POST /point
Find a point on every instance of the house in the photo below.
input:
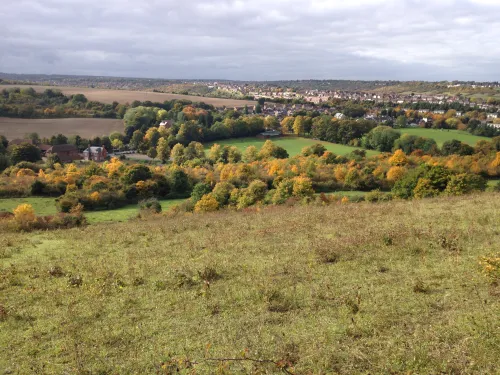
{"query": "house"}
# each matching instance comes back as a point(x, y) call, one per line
point(19, 141)
point(269, 134)
point(167, 124)
point(339, 116)
point(44, 148)
point(95, 153)
point(492, 116)
point(66, 153)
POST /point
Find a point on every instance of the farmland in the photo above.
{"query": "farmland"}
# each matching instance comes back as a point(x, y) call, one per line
point(386, 288)
point(128, 96)
point(293, 145)
point(85, 127)
point(441, 136)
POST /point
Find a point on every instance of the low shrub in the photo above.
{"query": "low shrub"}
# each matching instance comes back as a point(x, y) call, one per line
point(151, 205)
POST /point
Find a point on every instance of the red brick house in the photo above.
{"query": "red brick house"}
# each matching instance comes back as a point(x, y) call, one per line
point(66, 153)
point(95, 153)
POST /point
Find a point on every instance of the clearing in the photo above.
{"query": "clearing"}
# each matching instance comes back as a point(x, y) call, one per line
point(387, 288)
point(441, 136)
point(292, 144)
point(128, 96)
point(47, 206)
point(13, 128)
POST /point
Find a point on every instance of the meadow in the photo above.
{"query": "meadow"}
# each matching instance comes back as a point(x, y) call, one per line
point(13, 128)
point(441, 136)
point(293, 145)
point(47, 206)
point(128, 96)
point(387, 288)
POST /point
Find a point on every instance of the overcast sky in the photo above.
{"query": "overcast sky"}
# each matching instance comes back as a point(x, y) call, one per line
point(254, 39)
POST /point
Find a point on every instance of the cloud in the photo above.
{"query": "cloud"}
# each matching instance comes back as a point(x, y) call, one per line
point(253, 40)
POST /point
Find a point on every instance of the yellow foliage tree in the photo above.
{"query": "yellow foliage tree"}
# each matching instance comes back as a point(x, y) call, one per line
point(399, 158)
point(95, 196)
point(207, 203)
point(24, 213)
point(395, 173)
point(302, 187)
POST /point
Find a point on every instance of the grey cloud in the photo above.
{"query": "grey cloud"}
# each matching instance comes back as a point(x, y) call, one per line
point(259, 39)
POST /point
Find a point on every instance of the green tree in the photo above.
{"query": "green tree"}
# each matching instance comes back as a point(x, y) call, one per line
point(381, 138)
point(136, 173)
point(177, 154)
point(199, 190)
point(163, 150)
point(25, 152)
point(401, 122)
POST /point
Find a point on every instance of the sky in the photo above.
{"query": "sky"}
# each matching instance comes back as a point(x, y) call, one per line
point(430, 40)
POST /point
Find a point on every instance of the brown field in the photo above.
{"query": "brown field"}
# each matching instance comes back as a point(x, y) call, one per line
point(124, 96)
point(85, 127)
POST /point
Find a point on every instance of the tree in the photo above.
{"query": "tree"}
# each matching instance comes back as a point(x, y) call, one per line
point(4, 162)
point(136, 173)
point(258, 108)
point(465, 183)
point(25, 152)
point(163, 150)
point(179, 182)
point(317, 149)
point(398, 158)
point(34, 137)
point(287, 124)
point(381, 138)
point(207, 203)
point(177, 154)
point(136, 139)
point(401, 122)
point(454, 146)
point(298, 125)
point(271, 150)
point(199, 190)
point(250, 154)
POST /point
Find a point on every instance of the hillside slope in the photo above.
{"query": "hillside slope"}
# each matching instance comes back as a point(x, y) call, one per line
point(359, 288)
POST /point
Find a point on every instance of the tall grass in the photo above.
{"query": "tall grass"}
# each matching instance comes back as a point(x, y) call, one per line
point(386, 288)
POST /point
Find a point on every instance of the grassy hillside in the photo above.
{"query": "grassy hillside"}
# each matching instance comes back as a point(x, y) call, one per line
point(293, 145)
point(441, 136)
point(357, 288)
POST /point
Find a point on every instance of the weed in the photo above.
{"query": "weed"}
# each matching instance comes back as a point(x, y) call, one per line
point(420, 287)
point(56, 271)
point(75, 281)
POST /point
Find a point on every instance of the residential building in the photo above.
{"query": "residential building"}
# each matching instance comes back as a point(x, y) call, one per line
point(95, 153)
point(66, 153)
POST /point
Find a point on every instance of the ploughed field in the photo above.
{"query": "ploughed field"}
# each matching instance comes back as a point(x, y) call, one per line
point(293, 145)
point(85, 127)
point(124, 96)
point(388, 288)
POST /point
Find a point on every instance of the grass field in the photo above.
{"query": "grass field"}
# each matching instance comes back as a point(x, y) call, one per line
point(441, 136)
point(47, 206)
point(389, 288)
point(13, 128)
point(293, 145)
point(126, 96)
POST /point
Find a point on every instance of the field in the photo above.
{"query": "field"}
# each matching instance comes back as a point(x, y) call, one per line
point(85, 127)
point(293, 145)
point(389, 288)
point(47, 206)
point(126, 96)
point(441, 136)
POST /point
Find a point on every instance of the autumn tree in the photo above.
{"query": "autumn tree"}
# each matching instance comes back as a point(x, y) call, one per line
point(163, 150)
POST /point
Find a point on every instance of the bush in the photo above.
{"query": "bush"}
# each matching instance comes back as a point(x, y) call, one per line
point(136, 173)
point(207, 203)
point(151, 205)
point(377, 196)
point(25, 152)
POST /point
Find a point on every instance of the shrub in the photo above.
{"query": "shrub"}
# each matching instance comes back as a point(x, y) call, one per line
point(25, 152)
point(207, 203)
point(464, 184)
point(199, 190)
point(151, 205)
point(377, 196)
point(136, 173)
point(24, 214)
